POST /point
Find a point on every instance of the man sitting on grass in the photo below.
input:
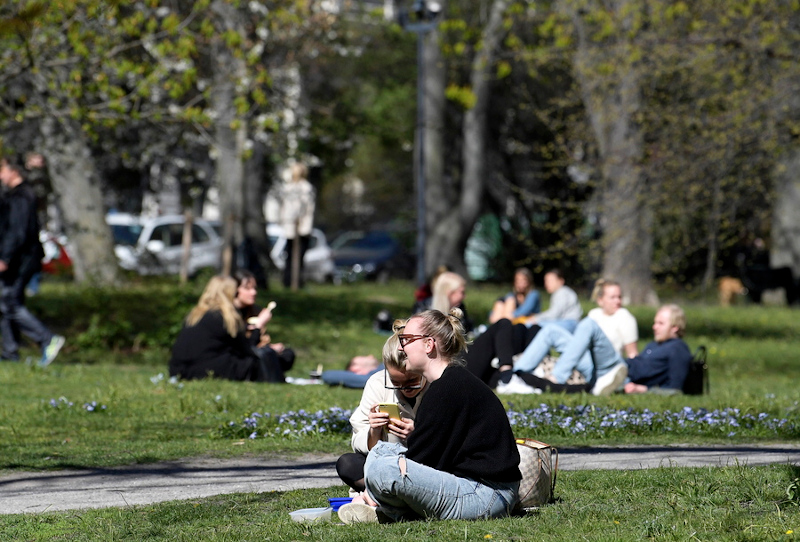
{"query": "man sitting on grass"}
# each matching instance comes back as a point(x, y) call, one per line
point(664, 363)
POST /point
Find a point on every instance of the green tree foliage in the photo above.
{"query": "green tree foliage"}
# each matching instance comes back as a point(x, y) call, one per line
point(135, 80)
point(361, 101)
point(715, 112)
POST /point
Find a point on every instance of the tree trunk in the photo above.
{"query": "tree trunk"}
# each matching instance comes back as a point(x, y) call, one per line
point(785, 245)
point(451, 231)
point(230, 135)
point(255, 226)
point(612, 102)
point(186, 245)
point(713, 235)
point(439, 201)
point(75, 183)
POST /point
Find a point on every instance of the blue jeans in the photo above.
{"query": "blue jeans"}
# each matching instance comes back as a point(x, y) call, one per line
point(588, 350)
point(348, 379)
point(429, 493)
point(569, 325)
point(16, 317)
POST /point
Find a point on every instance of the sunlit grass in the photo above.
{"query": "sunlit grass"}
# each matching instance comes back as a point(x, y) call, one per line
point(142, 417)
point(107, 401)
point(732, 503)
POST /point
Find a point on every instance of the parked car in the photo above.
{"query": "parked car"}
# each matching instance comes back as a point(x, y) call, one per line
point(154, 245)
point(56, 260)
point(373, 255)
point(318, 260)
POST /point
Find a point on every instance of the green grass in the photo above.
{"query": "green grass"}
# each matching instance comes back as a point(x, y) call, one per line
point(118, 342)
point(734, 503)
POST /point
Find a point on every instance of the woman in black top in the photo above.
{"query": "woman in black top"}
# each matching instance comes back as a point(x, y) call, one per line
point(461, 461)
point(277, 357)
point(213, 341)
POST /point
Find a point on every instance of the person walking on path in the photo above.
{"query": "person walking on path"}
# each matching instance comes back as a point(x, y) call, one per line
point(20, 258)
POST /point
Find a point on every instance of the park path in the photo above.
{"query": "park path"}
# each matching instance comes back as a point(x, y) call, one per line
point(32, 492)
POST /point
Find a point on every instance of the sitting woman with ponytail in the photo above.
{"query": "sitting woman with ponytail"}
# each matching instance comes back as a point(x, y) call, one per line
point(461, 461)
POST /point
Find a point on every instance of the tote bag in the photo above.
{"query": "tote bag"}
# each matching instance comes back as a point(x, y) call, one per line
point(538, 463)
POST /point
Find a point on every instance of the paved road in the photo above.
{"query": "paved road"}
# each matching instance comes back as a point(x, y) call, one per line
point(193, 479)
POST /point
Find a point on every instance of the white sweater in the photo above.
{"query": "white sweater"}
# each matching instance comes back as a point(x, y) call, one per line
point(376, 392)
point(620, 328)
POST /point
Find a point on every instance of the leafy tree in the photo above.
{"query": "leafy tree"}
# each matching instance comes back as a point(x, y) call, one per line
point(682, 101)
point(163, 70)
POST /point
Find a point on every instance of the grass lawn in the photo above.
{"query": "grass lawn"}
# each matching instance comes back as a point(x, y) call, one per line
point(106, 402)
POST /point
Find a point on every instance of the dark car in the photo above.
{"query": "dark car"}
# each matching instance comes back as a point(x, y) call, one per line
point(373, 255)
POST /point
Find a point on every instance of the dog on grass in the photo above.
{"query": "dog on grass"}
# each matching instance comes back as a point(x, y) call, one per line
point(729, 288)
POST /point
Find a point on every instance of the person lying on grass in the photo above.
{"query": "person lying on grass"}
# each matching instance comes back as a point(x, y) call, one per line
point(394, 384)
point(461, 461)
point(357, 373)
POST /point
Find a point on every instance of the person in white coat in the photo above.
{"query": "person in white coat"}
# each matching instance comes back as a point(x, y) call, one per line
point(298, 201)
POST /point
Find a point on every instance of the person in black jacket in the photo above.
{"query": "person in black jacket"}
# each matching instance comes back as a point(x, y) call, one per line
point(20, 258)
point(277, 357)
point(214, 342)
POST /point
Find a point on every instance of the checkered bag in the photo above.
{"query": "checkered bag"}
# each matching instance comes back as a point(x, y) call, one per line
point(539, 469)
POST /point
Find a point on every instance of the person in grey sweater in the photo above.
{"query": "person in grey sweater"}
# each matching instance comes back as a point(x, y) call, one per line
point(565, 309)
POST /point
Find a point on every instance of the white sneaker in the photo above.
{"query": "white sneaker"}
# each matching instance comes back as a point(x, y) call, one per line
point(611, 381)
point(516, 385)
point(356, 512)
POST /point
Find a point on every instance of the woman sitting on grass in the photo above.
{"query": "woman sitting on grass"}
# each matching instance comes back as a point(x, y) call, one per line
point(278, 358)
point(521, 302)
point(449, 291)
point(461, 461)
point(213, 341)
point(394, 384)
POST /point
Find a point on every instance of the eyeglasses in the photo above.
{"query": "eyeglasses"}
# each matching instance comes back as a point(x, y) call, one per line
point(412, 383)
point(405, 340)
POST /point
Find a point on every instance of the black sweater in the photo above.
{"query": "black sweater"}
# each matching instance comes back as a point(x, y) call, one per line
point(462, 428)
point(19, 229)
point(207, 348)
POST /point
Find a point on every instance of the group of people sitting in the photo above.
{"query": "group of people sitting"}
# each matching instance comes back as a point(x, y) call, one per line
point(597, 354)
point(225, 336)
point(452, 455)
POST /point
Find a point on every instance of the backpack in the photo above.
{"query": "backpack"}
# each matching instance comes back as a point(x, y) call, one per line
point(696, 382)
